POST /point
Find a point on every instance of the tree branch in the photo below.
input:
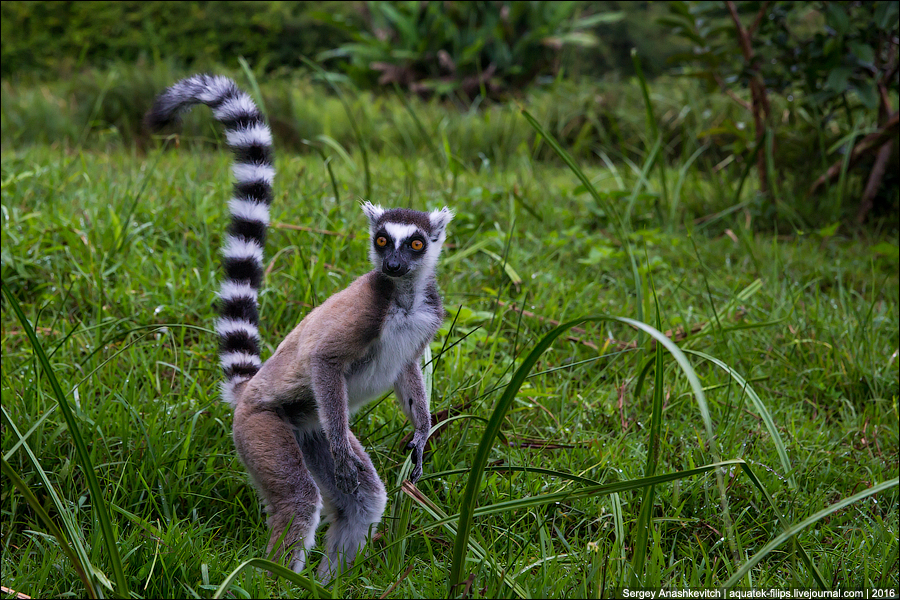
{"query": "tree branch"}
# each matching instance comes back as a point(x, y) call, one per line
point(758, 92)
point(867, 145)
point(730, 93)
point(876, 176)
point(759, 18)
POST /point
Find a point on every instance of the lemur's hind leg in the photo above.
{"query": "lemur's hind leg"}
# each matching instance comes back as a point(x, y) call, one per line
point(354, 516)
point(269, 451)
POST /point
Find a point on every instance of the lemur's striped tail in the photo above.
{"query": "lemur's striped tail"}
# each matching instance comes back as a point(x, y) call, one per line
point(249, 137)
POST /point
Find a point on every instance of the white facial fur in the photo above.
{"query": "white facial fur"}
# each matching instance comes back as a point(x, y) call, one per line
point(400, 232)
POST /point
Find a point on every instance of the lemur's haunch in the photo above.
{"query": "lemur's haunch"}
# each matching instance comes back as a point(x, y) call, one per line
point(291, 413)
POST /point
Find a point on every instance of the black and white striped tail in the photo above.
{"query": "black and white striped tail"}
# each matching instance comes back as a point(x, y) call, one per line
point(250, 138)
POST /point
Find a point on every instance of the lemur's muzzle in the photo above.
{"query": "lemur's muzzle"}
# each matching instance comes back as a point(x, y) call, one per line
point(394, 266)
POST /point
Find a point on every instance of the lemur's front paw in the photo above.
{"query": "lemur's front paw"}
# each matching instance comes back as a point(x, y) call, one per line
point(417, 445)
point(346, 473)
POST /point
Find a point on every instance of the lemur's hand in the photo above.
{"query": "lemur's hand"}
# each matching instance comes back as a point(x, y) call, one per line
point(417, 445)
point(346, 472)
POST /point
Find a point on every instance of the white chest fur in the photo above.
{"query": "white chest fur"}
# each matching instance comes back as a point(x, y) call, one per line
point(404, 334)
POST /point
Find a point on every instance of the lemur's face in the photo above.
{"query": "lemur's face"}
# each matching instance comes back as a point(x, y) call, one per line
point(404, 240)
point(400, 246)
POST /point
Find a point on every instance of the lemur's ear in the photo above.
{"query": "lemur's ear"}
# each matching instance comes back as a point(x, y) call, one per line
point(439, 219)
point(373, 212)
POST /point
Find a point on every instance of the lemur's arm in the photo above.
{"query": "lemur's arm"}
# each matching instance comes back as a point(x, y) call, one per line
point(410, 392)
point(330, 390)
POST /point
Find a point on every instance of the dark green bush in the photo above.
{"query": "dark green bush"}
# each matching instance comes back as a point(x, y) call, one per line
point(835, 66)
point(464, 48)
point(55, 37)
point(50, 39)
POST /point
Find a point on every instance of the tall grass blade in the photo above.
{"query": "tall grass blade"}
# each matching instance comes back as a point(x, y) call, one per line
point(483, 555)
point(514, 276)
point(98, 103)
point(651, 122)
point(795, 529)
point(23, 438)
point(643, 526)
point(682, 175)
point(186, 446)
point(42, 515)
point(785, 525)
point(326, 160)
point(645, 93)
point(589, 491)
point(601, 202)
point(313, 587)
point(513, 469)
point(751, 161)
point(467, 504)
point(65, 514)
point(81, 451)
point(360, 140)
point(592, 491)
point(426, 137)
point(642, 179)
point(764, 413)
point(254, 85)
point(619, 523)
point(129, 212)
point(336, 146)
point(770, 164)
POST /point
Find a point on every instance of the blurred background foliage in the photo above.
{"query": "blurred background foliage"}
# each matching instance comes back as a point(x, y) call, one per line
point(800, 95)
point(49, 39)
point(52, 39)
point(835, 63)
point(465, 48)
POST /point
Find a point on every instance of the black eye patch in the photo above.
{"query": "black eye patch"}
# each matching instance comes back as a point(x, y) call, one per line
point(382, 240)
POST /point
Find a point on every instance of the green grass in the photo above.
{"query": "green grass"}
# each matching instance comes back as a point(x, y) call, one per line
point(598, 121)
point(789, 375)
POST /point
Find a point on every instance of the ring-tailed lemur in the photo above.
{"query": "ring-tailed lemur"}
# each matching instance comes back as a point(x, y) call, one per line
point(291, 413)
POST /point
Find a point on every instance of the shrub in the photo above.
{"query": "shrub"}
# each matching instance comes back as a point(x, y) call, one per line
point(55, 37)
point(463, 48)
point(836, 65)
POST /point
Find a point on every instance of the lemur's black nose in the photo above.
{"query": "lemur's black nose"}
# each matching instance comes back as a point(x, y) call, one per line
point(394, 267)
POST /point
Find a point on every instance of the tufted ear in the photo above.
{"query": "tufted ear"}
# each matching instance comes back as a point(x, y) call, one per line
point(373, 212)
point(439, 219)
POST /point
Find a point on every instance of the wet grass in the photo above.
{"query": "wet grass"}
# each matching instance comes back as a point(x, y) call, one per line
point(593, 444)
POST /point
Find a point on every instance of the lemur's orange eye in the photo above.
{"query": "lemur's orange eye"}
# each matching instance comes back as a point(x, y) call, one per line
point(416, 245)
point(381, 241)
